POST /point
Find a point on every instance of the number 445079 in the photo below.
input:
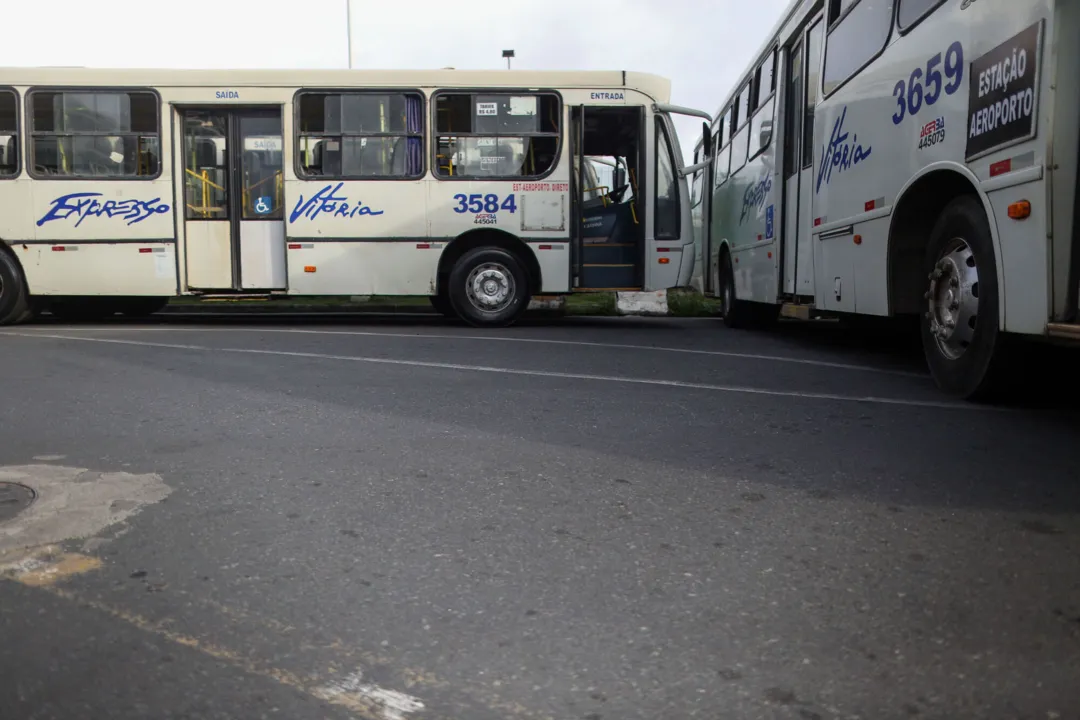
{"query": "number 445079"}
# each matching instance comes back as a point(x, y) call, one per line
point(484, 203)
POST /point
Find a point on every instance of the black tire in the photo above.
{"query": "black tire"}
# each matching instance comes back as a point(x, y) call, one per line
point(14, 297)
point(141, 306)
point(441, 304)
point(505, 270)
point(966, 359)
point(741, 313)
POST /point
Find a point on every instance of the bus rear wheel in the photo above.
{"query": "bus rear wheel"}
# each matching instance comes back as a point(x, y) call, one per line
point(14, 299)
point(740, 313)
point(960, 330)
point(489, 287)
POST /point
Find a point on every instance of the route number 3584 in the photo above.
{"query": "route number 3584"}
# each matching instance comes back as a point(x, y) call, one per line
point(489, 203)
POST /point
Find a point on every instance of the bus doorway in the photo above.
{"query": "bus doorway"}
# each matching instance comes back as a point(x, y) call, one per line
point(234, 215)
point(609, 238)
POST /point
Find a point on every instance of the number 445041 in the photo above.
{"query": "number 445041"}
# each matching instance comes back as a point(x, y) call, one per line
point(484, 203)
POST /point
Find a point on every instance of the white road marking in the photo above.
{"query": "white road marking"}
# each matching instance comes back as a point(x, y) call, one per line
point(392, 705)
point(541, 341)
point(746, 390)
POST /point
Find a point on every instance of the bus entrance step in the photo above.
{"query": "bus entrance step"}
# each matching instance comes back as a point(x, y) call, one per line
point(798, 312)
point(1067, 331)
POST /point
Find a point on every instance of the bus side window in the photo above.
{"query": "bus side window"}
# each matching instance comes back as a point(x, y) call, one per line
point(858, 31)
point(764, 99)
point(9, 133)
point(912, 11)
point(740, 142)
point(666, 218)
point(92, 133)
point(496, 135)
point(813, 81)
point(723, 150)
point(793, 110)
point(360, 135)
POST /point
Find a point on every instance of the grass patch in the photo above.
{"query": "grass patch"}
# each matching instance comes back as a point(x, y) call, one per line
point(600, 303)
point(690, 303)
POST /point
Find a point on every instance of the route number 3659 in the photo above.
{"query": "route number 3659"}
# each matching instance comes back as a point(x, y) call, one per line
point(910, 95)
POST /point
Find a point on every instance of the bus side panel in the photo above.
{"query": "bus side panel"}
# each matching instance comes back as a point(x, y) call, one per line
point(1061, 43)
point(101, 268)
point(16, 221)
point(553, 259)
point(406, 267)
point(907, 109)
point(117, 238)
point(752, 203)
point(1024, 256)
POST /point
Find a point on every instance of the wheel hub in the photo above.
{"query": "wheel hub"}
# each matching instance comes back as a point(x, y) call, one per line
point(490, 287)
point(953, 299)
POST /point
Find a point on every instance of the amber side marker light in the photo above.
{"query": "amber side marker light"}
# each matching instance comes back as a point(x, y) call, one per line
point(1019, 210)
point(309, 268)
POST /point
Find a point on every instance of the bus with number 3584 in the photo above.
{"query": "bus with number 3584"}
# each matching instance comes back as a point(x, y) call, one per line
point(909, 159)
point(120, 189)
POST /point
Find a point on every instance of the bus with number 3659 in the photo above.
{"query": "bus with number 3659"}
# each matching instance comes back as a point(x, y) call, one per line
point(120, 189)
point(902, 159)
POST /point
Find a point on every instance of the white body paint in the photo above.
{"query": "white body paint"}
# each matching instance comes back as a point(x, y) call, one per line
point(922, 103)
point(394, 249)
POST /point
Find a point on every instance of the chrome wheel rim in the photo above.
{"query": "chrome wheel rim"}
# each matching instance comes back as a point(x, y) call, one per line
point(953, 299)
point(490, 287)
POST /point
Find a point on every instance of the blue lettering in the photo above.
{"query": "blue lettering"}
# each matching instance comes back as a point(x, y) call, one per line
point(227, 95)
point(86, 205)
point(754, 197)
point(327, 200)
point(839, 153)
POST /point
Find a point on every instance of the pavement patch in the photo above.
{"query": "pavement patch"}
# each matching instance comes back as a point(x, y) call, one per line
point(70, 503)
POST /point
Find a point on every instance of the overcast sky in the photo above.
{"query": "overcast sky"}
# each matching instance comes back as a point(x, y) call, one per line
point(701, 45)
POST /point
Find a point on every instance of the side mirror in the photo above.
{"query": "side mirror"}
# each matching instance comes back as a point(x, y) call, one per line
point(706, 135)
point(618, 178)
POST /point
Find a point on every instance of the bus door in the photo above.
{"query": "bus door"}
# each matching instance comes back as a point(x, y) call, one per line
point(234, 220)
point(609, 237)
point(803, 81)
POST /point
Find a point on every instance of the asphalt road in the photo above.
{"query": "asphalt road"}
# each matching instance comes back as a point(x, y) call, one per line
point(596, 519)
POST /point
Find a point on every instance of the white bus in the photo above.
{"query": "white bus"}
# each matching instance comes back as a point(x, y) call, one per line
point(122, 188)
point(903, 158)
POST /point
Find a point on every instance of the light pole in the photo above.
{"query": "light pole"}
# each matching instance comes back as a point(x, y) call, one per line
point(508, 54)
point(348, 28)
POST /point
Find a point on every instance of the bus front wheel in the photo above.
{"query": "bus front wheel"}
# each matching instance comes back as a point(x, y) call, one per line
point(960, 330)
point(489, 287)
